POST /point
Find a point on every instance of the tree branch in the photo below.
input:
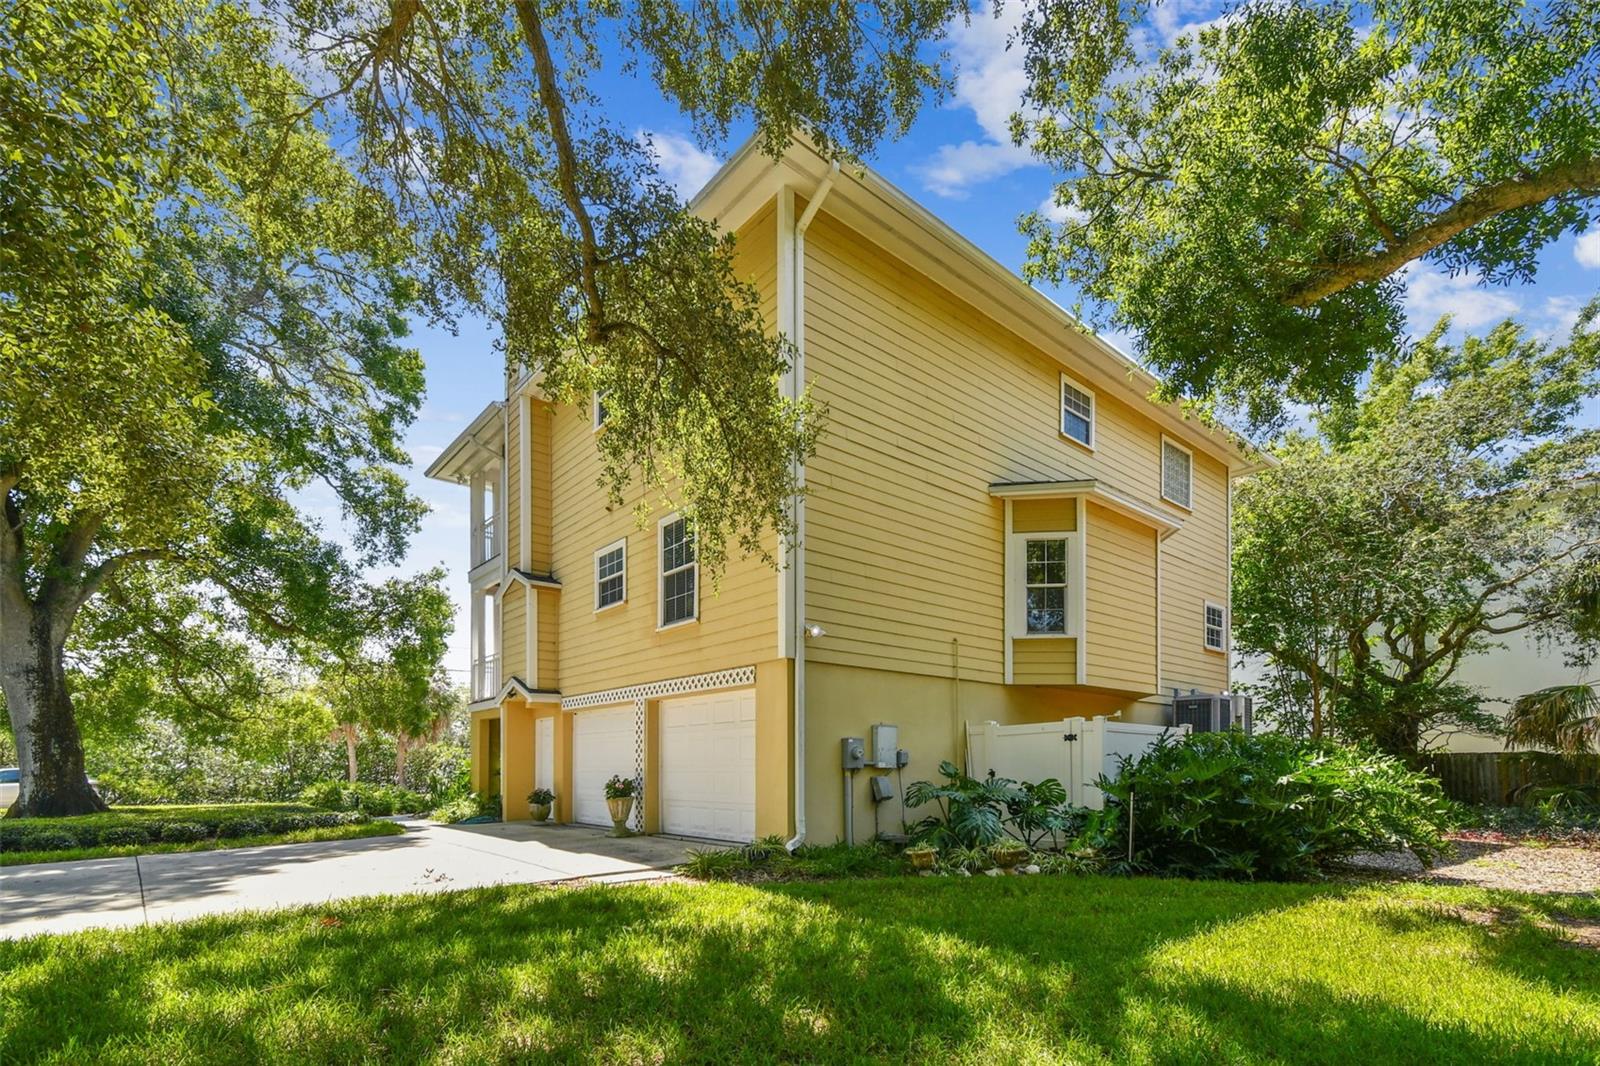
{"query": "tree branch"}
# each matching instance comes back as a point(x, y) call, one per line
point(566, 158)
point(1476, 206)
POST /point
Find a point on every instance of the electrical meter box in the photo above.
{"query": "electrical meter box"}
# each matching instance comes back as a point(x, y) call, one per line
point(885, 742)
point(854, 752)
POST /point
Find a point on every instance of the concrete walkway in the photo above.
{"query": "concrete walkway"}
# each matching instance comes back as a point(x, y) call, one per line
point(96, 893)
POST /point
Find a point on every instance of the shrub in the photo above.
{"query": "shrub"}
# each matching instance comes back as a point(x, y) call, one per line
point(364, 797)
point(541, 797)
point(472, 805)
point(235, 828)
point(972, 813)
point(47, 840)
point(620, 787)
point(1268, 806)
point(124, 835)
point(183, 832)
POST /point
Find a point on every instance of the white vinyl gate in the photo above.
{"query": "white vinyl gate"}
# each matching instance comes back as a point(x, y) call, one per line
point(1074, 751)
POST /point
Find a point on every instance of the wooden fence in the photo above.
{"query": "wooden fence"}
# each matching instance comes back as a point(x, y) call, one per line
point(1501, 778)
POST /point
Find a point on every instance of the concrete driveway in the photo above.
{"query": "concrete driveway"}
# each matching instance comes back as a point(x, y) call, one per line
point(136, 890)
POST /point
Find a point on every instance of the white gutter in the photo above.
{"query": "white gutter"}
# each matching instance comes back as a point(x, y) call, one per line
point(797, 601)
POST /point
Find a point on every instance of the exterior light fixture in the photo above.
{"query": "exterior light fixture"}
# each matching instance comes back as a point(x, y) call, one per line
point(814, 631)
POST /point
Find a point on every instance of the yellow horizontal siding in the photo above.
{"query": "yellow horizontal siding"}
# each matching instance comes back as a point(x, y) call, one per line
point(1119, 603)
point(929, 402)
point(622, 646)
point(1044, 516)
point(1194, 568)
point(540, 488)
point(548, 638)
point(513, 633)
point(511, 535)
point(1052, 661)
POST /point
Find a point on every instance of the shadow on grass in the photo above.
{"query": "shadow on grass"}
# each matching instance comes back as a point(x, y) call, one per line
point(911, 970)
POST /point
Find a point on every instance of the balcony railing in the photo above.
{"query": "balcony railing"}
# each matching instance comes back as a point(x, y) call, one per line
point(486, 541)
point(486, 678)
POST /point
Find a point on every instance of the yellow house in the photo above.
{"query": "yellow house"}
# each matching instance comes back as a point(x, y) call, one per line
point(999, 525)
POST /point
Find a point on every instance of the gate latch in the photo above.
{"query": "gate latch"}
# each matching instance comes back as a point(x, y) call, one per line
point(1069, 736)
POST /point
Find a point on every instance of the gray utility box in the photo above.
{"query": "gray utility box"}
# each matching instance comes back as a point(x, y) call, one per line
point(1214, 711)
point(885, 742)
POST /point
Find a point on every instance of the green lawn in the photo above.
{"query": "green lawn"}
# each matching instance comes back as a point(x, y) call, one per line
point(905, 969)
point(281, 823)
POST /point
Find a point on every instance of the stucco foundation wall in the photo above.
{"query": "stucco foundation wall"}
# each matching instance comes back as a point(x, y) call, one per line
point(931, 713)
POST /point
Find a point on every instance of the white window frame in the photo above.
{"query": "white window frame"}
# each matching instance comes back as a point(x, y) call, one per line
point(1017, 577)
point(661, 576)
point(1161, 458)
point(1205, 626)
point(1061, 410)
point(615, 545)
point(596, 410)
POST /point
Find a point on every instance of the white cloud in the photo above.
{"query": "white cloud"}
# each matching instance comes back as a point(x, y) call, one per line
point(1430, 295)
point(1587, 249)
point(1058, 214)
point(989, 83)
point(683, 163)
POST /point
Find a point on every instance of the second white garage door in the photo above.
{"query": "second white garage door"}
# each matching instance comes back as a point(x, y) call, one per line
point(602, 746)
point(708, 765)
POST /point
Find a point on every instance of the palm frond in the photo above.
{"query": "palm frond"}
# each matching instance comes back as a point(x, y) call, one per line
point(1563, 718)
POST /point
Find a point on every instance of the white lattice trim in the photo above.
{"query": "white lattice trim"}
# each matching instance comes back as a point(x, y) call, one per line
point(677, 686)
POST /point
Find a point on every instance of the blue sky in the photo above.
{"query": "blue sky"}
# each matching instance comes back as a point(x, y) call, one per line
point(958, 161)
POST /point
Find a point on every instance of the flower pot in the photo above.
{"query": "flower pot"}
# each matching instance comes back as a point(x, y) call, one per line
point(620, 807)
point(922, 860)
point(1008, 856)
point(539, 812)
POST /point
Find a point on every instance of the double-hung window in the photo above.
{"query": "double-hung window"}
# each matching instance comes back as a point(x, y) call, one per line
point(597, 410)
point(679, 572)
point(1044, 594)
point(1216, 624)
point(1177, 474)
point(1045, 581)
point(1077, 412)
point(611, 575)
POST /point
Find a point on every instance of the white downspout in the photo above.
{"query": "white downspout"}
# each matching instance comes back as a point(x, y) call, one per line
point(797, 601)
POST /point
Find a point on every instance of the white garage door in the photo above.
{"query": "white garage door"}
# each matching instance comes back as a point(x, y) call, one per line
point(602, 746)
point(708, 765)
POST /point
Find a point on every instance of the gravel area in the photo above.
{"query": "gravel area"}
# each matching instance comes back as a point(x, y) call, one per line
point(1521, 867)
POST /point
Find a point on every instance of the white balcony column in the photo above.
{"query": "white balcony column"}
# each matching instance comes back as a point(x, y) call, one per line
point(476, 493)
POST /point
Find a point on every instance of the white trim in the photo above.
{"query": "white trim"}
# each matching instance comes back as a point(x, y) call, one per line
point(1016, 582)
point(1109, 498)
point(789, 385)
point(1009, 593)
point(616, 545)
point(1079, 603)
point(524, 481)
point(1161, 458)
point(595, 401)
point(1228, 596)
point(1061, 410)
point(738, 677)
point(530, 633)
point(1205, 626)
point(661, 576)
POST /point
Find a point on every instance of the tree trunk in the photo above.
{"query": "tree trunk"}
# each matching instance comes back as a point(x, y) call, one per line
point(400, 760)
point(350, 750)
point(49, 748)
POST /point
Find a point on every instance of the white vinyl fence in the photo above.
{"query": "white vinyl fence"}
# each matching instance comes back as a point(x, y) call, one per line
point(1074, 751)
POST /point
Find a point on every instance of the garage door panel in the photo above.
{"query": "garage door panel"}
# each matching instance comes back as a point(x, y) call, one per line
point(708, 765)
point(602, 747)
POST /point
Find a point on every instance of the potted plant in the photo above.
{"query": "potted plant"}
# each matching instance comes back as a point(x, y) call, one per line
point(921, 856)
point(1008, 854)
point(619, 799)
point(539, 801)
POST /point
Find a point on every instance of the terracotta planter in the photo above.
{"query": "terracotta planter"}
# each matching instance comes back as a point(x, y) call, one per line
point(620, 808)
point(539, 812)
